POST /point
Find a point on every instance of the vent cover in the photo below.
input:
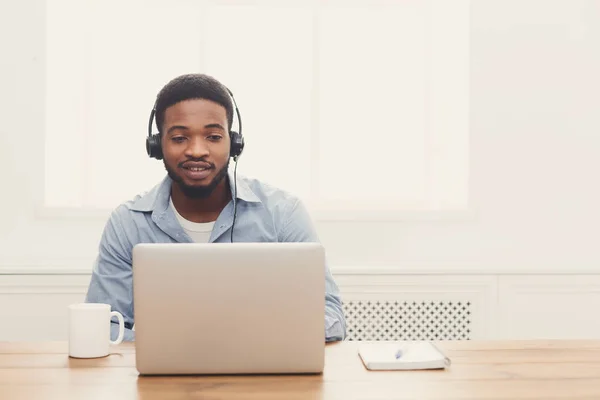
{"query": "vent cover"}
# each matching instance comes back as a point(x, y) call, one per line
point(407, 320)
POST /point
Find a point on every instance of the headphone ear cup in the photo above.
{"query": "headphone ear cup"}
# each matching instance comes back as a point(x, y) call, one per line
point(153, 147)
point(237, 144)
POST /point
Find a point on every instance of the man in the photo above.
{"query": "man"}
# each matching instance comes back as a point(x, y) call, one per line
point(194, 203)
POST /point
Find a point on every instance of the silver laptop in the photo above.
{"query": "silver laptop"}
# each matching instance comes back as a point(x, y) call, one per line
point(229, 308)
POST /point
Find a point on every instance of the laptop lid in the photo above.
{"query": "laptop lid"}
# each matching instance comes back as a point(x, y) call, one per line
point(227, 308)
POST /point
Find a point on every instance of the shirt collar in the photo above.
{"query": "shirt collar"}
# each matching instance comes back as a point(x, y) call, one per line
point(157, 199)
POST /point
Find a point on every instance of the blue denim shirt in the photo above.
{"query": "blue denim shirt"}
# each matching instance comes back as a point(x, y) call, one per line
point(264, 214)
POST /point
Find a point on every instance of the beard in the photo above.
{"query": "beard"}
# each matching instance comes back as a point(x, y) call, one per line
point(197, 192)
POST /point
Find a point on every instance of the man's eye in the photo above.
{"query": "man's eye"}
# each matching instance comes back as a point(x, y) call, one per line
point(178, 139)
point(215, 138)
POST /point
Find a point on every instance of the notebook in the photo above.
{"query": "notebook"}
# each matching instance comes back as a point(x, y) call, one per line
point(402, 355)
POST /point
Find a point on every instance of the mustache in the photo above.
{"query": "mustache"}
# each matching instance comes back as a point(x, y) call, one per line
point(197, 160)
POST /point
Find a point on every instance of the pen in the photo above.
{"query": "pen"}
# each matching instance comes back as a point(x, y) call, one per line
point(400, 352)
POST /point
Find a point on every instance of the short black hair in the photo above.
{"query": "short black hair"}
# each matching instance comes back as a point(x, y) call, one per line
point(192, 86)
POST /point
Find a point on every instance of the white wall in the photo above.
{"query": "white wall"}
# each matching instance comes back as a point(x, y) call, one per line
point(296, 95)
point(535, 140)
point(379, 304)
point(534, 131)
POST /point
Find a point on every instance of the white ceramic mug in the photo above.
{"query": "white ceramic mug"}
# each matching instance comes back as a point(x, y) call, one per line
point(89, 329)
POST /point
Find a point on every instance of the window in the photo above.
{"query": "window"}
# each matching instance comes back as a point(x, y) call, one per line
point(356, 106)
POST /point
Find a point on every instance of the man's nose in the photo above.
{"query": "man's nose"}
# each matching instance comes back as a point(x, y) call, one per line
point(197, 148)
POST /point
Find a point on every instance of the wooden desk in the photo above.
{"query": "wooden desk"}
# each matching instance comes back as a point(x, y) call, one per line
point(480, 370)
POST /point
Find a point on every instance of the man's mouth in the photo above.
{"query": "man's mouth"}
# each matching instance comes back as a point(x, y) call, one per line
point(196, 165)
point(197, 170)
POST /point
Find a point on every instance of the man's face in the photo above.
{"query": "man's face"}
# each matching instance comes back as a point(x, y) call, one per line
point(195, 145)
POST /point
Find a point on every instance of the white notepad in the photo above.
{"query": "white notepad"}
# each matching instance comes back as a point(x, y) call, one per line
point(411, 356)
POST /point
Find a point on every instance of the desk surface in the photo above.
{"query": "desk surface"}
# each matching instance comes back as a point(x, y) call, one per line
point(480, 370)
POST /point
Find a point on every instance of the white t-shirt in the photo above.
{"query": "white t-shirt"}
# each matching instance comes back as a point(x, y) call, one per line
point(198, 231)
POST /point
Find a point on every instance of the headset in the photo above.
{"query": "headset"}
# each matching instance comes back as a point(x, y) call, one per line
point(154, 149)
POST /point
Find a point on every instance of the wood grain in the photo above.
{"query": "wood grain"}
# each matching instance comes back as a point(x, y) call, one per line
point(480, 370)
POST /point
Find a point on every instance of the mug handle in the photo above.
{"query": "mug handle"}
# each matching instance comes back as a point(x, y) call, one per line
point(121, 327)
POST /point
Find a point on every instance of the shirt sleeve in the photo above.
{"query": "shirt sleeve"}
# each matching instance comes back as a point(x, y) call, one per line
point(298, 227)
point(111, 281)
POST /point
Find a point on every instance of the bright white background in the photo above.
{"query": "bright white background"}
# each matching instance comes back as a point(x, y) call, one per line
point(355, 107)
point(409, 110)
point(482, 121)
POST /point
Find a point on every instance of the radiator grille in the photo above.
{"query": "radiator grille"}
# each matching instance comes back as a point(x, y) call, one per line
point(407, 320)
